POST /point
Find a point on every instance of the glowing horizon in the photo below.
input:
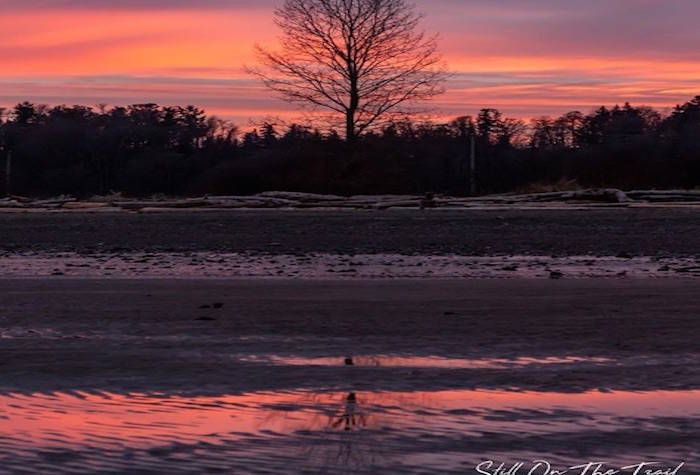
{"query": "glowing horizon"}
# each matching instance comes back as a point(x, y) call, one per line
point(525, 57)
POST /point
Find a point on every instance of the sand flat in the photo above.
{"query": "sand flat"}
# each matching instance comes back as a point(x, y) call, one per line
point(598, 232)
point(162, 343)
point(249, 376)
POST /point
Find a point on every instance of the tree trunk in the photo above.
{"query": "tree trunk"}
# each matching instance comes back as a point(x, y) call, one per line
point(350, 131)
point(350, 126)
point(8, 173)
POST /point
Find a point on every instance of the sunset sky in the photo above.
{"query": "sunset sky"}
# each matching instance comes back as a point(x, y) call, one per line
point(526, 57)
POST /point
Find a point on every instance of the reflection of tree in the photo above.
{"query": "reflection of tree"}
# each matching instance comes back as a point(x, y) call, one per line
point(351, 416)
point(347, 447)
point(338, 436)
point(346, 433)
point(355, 439)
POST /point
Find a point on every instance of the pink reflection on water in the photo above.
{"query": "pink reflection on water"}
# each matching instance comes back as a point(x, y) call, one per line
point(142, 421)
point(425, 361)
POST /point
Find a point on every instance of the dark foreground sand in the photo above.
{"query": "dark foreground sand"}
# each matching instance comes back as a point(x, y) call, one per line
point(597, 232)
point(158, 376)
point(180, 375)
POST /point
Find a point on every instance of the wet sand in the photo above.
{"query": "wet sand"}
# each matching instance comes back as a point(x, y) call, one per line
point(127, 345)
point(363, 432)
point(316, 266)
point(166, 334)
point(596, 232)
point(249, 376)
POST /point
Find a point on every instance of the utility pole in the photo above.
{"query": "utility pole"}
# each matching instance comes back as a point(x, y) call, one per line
point(472, 165)
point(8, 172)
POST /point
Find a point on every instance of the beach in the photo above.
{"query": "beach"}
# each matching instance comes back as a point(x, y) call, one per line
point(663, 231)
point(112, 367)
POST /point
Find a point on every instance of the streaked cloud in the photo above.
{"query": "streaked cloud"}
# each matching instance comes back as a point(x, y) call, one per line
point(527, 57)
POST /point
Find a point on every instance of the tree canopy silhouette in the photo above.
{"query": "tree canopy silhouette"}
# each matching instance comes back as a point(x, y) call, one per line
point(362, 60)
point(145, 148)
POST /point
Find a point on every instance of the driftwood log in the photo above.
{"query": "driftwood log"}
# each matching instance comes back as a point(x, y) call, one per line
point(296, 200)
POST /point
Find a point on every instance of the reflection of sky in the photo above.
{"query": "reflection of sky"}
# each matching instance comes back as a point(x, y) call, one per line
point(115, 419)
point(425, 361)
point(528, 57)
point(423, 432)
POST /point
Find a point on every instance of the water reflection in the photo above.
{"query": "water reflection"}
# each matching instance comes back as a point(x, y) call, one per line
point(422, 361)
point(351, 418)
point(346, 445)
point(355, 427)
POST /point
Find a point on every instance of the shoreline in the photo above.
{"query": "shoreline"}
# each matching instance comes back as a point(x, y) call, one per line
point(691, 205)
point(320, 266)
point(284, 200)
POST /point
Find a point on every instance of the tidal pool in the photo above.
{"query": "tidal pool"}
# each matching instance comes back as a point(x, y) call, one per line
point(421, 361)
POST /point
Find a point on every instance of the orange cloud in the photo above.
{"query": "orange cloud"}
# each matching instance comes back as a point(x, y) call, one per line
point(126, 42)
point(524, 61)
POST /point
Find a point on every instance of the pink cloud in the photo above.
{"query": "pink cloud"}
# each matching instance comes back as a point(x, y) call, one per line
point(528, 57)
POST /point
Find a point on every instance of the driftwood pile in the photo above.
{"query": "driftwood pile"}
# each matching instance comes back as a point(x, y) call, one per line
point(668, 196)
point(292, 200)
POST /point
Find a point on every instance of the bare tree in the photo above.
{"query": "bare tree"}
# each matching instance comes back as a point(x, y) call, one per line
point(365, 60)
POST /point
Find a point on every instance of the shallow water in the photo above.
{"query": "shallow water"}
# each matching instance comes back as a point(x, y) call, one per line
point(334, 432)
point(422, 361)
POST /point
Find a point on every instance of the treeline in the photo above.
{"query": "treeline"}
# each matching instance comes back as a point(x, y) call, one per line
point(145, 149)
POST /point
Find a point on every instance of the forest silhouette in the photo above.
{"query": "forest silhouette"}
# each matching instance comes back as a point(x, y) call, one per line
point(145, 149)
